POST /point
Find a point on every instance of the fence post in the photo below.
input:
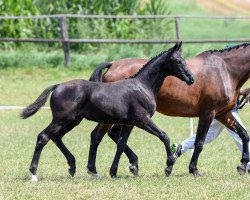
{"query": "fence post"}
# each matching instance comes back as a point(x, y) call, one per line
point(177, 30)
point(64, 32)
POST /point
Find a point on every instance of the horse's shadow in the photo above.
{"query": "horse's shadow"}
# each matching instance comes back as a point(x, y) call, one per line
point(80, 178)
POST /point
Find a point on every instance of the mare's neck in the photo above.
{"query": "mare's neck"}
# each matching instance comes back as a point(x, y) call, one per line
point(238, 65)
point(153, 76)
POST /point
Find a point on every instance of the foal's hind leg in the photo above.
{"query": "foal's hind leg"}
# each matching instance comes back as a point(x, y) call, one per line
point(133, 159)
point(42, 140)
point(66, 127)
point(126, 130)
point(231, 122)
point(55, 131)
point(96, 137)
point(68, 155)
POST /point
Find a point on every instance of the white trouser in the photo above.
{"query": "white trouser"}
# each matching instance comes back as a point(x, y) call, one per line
point(214, 131)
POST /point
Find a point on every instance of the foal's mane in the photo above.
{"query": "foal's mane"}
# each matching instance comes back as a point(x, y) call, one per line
point(148, 63)
point(226, 49)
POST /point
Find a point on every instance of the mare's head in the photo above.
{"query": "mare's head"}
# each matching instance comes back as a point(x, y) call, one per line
point(176, 65)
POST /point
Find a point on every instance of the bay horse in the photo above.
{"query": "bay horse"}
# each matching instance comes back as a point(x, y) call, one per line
point(130, 102)
point(219, 75)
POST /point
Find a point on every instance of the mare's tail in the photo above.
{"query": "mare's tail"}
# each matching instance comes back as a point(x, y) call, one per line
point(97, 74)
point(38, 103)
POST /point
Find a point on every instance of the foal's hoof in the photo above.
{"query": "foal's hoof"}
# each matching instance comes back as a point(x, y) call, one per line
point(241, 170)
point(112, 173)
point(72, 172)
point(168, 170)
point(93, 174)
point(33, 177)
point(134, 169)
point(196, 173)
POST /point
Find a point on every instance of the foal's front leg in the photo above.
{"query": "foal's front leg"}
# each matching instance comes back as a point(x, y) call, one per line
point(123, 138)
point(148, 125)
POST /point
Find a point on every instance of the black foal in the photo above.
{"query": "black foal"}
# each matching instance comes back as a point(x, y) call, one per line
point(130, 102)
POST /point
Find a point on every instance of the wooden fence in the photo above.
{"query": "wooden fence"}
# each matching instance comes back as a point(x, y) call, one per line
point(65, 40)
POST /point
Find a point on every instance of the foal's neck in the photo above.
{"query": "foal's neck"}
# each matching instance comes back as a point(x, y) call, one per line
point(153, 75)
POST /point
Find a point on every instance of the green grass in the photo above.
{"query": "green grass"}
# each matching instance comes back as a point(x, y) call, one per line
point(217, 163)
point(26, 71)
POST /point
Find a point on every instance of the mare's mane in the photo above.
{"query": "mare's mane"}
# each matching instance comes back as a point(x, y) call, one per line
point(226, 49)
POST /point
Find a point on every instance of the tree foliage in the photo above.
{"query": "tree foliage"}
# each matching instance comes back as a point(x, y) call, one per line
point(83, 28)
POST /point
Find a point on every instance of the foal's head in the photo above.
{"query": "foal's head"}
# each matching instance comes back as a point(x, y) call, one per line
point(176, 65)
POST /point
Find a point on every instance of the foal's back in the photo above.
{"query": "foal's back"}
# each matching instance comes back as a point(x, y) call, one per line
point(102, 102)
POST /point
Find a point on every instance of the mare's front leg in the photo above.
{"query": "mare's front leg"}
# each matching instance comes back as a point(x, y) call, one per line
point(123, 138)
point(205, 121)
point(148, 125)
point(96, 137)
point(114, 134)
point(231, 122)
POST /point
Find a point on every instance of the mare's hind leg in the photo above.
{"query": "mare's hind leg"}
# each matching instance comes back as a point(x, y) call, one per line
point(231, 122)
point(133, 159)
point(96, 137)
point(123, 138)
point(148, 125)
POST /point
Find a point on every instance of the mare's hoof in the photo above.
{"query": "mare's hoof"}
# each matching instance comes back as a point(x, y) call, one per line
point(93, 174)
point(33, 177)
point(168, 170)
point(72, 172)
point(134, 169)
point(241, 170)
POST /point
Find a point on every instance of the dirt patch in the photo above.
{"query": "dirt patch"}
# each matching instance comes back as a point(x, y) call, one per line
point(228, 7)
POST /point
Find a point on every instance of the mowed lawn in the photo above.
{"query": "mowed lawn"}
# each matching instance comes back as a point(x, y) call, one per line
point(217, 163)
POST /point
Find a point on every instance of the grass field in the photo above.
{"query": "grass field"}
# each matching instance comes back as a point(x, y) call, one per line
point(217, 163)
point(26, 71)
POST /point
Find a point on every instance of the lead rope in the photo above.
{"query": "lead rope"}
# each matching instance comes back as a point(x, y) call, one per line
point(244, 100)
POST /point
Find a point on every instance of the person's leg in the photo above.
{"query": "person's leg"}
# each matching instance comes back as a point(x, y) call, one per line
point(214, 131)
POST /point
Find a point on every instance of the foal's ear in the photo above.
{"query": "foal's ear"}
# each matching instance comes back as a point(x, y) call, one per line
point(176, 47)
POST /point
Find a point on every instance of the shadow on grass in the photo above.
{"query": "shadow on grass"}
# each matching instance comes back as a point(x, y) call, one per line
point(82, 178)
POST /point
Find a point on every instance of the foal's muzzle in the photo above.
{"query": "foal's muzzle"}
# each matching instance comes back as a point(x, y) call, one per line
point(191, 80)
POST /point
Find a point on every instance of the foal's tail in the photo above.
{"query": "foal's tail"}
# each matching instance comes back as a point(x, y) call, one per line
point(97, 74)
point(38, 103)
